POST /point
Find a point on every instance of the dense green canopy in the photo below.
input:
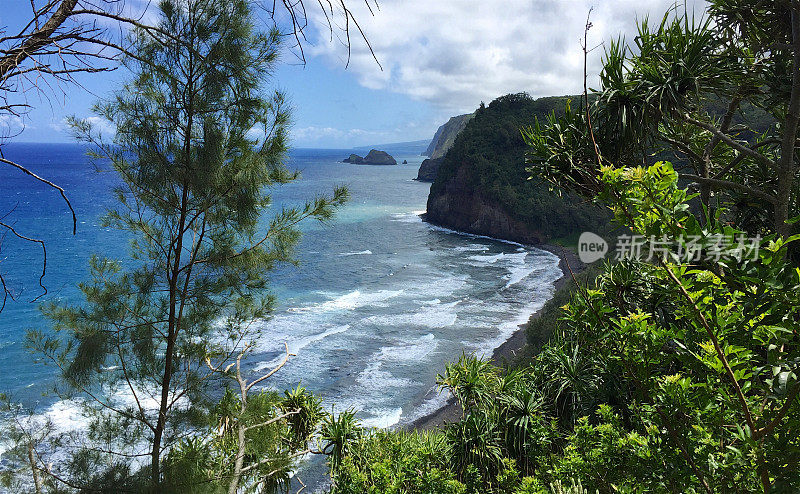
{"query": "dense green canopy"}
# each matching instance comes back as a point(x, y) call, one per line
point(489, 158)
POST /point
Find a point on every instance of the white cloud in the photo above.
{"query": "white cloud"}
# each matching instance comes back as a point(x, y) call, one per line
point(99, 125)
point(11, 125)
point(59, 126)
point(103, 126)
point(456, 54)
point(335, 137)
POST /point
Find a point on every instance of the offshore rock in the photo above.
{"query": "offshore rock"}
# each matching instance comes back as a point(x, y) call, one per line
point(374, 157)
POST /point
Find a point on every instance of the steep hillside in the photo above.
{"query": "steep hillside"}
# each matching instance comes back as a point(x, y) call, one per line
point(428, 169)
point(481, 186)
point(442, 141)
point(446, 135)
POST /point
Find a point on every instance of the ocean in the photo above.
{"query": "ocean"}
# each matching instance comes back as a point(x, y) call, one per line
point(379, 302)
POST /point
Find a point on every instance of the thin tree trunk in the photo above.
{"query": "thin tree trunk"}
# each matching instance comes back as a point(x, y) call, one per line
point(174, 316)
point(242, 429)
point(172, 336)
point(708, 151)
point(240, 451)
point(786, 166)
point(37, 483)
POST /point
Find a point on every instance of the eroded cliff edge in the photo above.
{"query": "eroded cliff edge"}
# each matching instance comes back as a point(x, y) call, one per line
point(482, 186)
point(446, 135)
point(442, 141)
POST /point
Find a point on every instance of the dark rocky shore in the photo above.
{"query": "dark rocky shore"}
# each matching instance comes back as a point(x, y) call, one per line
point(508, 351)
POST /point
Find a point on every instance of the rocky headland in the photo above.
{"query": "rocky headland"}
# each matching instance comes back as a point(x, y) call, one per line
point(446, 135)
point(460, 207)
point(428, 169)
point(441, 143)
point(481, 185)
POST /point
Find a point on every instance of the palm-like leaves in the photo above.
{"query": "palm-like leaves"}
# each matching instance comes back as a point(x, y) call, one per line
point(572, 379)
point(476, 441)
point(526, 430)
point(306, 413)
point(339, 433)
point(471, 380)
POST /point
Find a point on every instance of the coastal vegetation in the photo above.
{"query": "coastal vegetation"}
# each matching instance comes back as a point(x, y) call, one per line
point(482, 184)
point(667, 372)
point(673, 368)
point(153, 354)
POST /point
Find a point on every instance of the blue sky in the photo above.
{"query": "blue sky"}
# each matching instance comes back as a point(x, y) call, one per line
point(440, 58)
point(330, 108)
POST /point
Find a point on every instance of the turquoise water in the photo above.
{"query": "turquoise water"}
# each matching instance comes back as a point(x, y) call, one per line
point(379, 302)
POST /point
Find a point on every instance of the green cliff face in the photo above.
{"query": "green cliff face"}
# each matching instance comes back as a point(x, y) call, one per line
point(481, 184)
point(446, 135)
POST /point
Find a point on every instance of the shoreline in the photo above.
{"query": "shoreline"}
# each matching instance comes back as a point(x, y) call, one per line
point(507, 351)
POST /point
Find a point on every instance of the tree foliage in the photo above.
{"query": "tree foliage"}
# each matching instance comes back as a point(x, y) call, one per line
point(718, 91)
point(198, 146)
point(488, 157)
point(669, 372)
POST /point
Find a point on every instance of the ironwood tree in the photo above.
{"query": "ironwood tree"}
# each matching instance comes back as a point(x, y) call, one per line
point(199, 144)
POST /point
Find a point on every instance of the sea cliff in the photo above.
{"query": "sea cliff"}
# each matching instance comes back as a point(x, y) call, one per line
point(482, 185)
point(442, 141)
point(429, 169)
point(459, 206)
point(446, 135)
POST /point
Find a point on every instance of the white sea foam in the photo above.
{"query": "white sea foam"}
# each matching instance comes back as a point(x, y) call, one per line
point(349, 301)
point(516, 264)
point(519, 271)
point(428, 316)
point(68, 416)
point(434, 402)
point(298, 344)
point(359, 253)
point(412, 352)
point(487, 259)
point(438, 287)
point(410, 217)
point(375, 379)
point(472, 235)
point(382, 418)
point(65, 415)
point(471, 248)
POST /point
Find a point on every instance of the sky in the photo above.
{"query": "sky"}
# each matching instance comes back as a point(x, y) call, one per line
point(438, 58)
